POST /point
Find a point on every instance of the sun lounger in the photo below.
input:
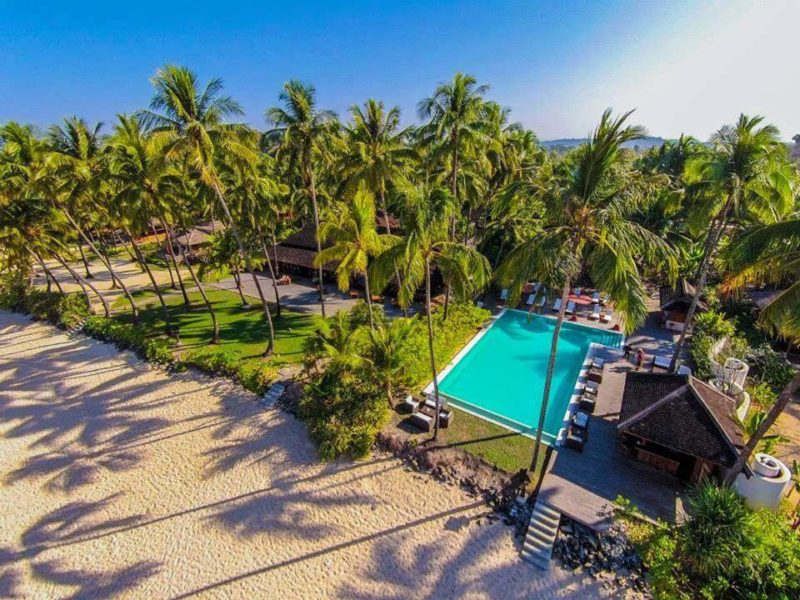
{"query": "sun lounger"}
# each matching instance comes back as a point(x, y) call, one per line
point(503, 294)
point(595, 313)
point(570, 307)
point(662, 362)
point(577, 291)
point(605, 317)
point(557, 305)
point(529, 301)
point(598, 363)
point(422, 421)
point(684, 370)
point(536, 287)
point(580, 420)
point(596, 298)
point(575, 439)
point(604, 299)
point(595, 375)
point(543, 301)
point(587, 403)
point(410, 404)
point(590, 387)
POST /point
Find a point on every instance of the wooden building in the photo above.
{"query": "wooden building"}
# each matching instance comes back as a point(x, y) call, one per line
point(675, 304)
point(679, 424)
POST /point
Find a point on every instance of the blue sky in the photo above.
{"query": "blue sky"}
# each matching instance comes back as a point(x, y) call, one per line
point(685, 66)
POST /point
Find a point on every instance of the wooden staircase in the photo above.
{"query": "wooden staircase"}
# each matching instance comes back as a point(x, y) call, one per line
point(542, 531)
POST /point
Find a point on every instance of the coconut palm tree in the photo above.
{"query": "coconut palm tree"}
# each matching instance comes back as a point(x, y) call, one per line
point(588, 219)
point(427, 213)
point(301, 131)
point(200, 133)
point(354, 240)
point(747, 172)
point(384, 356)
point(75, 163)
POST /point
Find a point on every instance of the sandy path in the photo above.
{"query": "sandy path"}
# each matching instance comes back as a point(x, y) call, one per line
point(121, 481)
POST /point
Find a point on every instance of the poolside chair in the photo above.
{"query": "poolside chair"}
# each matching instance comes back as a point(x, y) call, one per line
point(595, 375)
point(529, 301)
point(570, 307)
point(604, 299)
point(598, 363)
point(422, 421)
point(662, 362)
point(504, 295)
point(595, 315)
point(580, 420)
point(410, 404)
point(536, 287)
point(596, 297)
point(557, 305)
point(590, 387)
point(605, 317)
point(543, 302)
point(587, 403)
point(684, 370)
point(577, 291)
point(576, 440)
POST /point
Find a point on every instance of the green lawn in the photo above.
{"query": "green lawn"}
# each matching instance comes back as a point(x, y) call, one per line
point(242, 329)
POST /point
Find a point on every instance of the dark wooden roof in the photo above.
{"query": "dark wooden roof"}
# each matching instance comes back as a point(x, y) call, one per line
point(304, 238)
point(299, 257)
point(680, 296)
point(681, 413)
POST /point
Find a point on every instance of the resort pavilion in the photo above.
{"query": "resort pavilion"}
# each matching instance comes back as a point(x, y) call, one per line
point(679, 424)
point(675, 304)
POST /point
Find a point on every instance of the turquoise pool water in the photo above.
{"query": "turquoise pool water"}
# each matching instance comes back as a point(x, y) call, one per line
point(502, 376)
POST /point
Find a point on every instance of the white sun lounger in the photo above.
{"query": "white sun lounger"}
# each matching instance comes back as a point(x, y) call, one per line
point(504, 294)
point(557, 305)
point(596, 297)
point(570, 307)
point(530, 299)
point(536, 287)
point(543, 301)
point(590, 387)
point(577, 291)
point(598, 363)
point(605, 317)
point(662, 362)
point(595, 313)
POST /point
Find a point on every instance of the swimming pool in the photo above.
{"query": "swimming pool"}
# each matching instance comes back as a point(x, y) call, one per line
point(500, 375)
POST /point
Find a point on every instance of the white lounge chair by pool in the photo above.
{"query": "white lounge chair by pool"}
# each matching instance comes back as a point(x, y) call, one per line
point(590, 387)
point(595, 313)
point(596, 297)
point(557, 305)
point(598, 363)
point(570, 307)
point(577, 291)
point(543, 301)
point(504, 294)
point(684, 370)
point(662, 362)
point(529, 301)
point(605, 317)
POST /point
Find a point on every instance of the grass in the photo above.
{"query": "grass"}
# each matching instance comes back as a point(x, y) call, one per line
point(241, 329)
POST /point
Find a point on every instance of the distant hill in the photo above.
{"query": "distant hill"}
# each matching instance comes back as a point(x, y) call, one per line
point(565, 144)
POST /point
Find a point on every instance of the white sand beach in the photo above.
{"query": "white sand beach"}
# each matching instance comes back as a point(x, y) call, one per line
point(119, 480)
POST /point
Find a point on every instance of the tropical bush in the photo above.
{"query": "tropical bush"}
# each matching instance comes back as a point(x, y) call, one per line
point(62, 310)
point(130, 337)
point(12, 292)
point(255, 376)
point(723, 551)
point(770, 367)
point(344, 409)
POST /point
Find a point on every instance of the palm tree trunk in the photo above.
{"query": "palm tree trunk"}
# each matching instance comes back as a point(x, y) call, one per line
point(95, 242)
point(314, 206)
point(454, 191)
point(85, 262)
point(140, 258)
point(271, 274)
point(551, 364)
point(248, 267)
point(437, 399)
point(50, 276)
point(107, 263)
point(369, 300)
point(171, 253)
point(120, 240)
point(237, 278)
point(166, 257)
point(84, 284)
point(700, 286)
point(202, 290)
point(772, 416)
point(389, 232)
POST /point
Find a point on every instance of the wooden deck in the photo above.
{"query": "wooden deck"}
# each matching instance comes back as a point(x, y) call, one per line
point(584, 485)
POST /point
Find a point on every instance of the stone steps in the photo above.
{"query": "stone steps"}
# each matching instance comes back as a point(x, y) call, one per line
point(542, 531)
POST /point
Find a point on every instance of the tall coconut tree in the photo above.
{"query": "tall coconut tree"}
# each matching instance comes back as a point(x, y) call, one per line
point(588, 219)
point(427, 245)
point(302, 132)
point(354, 240)
point(202, 134)
point(746, 171)
point(75, 162)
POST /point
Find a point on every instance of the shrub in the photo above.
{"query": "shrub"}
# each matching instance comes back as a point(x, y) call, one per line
point(214, 361)
point(772, 367)
point(256, 376)
point(359, 314)
point(344, 410)
point(762, 394)
point(72, 309)
point(13, 290)
point(130, 337)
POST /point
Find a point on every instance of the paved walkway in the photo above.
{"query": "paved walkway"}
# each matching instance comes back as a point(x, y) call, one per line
point(119, 480)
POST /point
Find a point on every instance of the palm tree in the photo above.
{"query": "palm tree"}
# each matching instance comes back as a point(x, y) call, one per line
point(197, 123)
point(426, 246)
point(457, 124)
point(301, 130)
point(354, 240)
point(75, 161)
point(384, 353)
point(768, 253)
point(588, 220)
point(748, 171)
